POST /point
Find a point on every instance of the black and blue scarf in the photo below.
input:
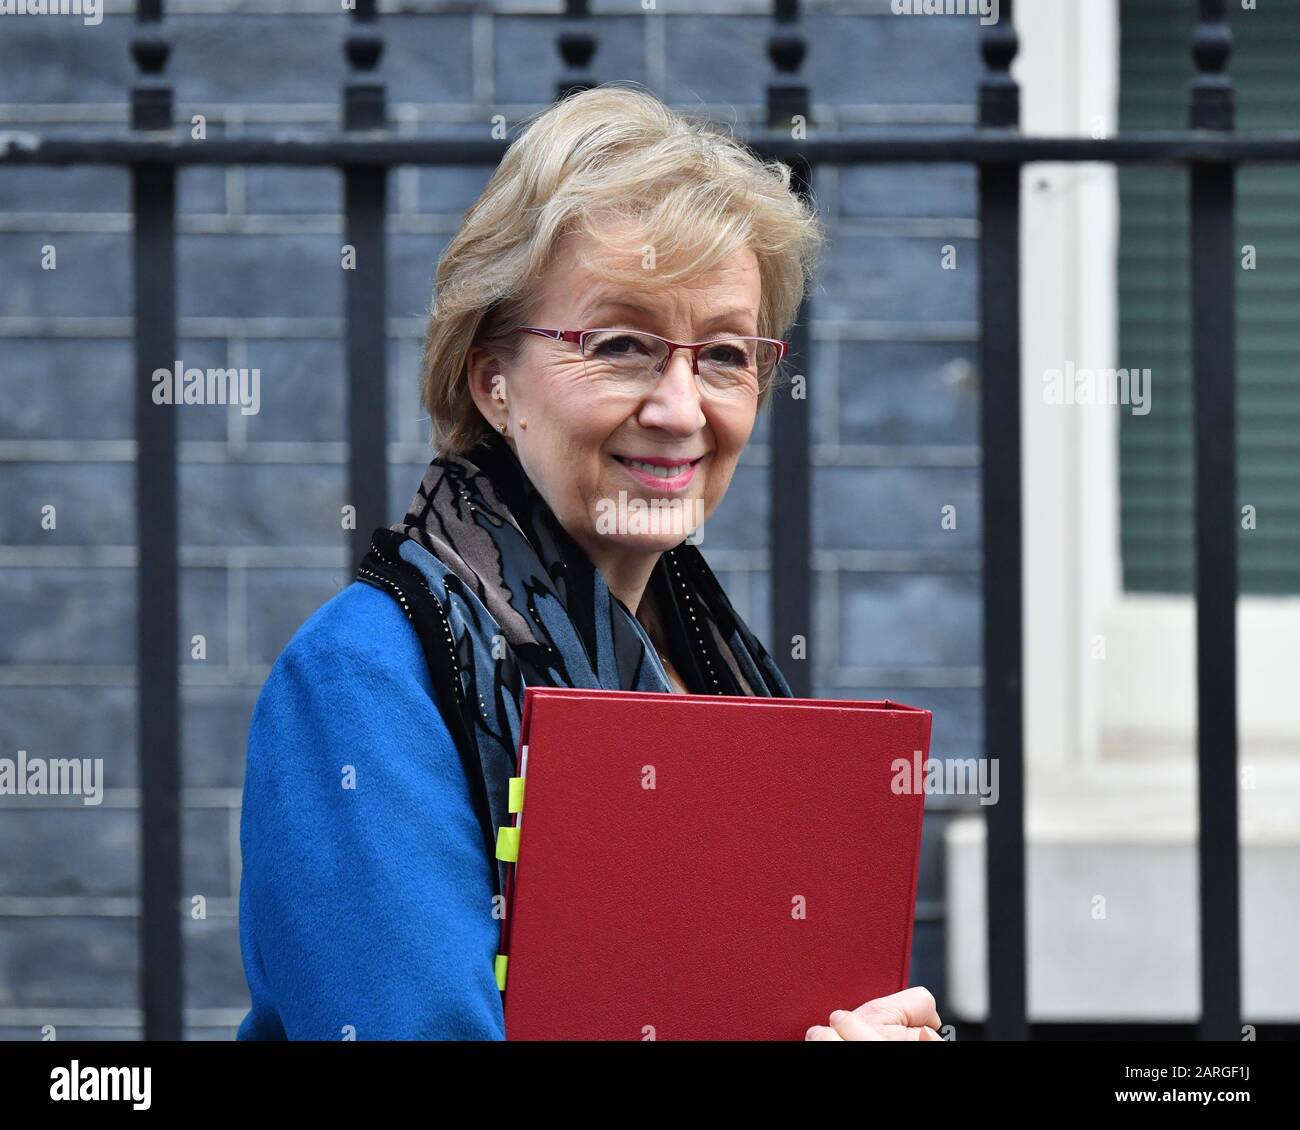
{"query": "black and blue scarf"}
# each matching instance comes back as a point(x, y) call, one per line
point(502, 598)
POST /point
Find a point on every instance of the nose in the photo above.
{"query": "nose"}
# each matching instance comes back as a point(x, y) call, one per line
point(674, 403)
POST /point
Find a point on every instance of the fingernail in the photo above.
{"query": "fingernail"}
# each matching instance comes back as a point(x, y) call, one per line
point(838, 1015)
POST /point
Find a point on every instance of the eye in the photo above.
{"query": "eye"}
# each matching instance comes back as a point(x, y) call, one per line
point(617, 345)
point(731, 354)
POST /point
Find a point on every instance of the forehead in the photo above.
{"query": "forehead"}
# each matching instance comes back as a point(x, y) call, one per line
point(587, 275)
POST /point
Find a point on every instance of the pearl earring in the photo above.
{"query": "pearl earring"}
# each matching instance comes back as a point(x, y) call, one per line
point(503, 429)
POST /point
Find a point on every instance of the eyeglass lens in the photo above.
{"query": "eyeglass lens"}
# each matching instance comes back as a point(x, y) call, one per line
point(728, 366)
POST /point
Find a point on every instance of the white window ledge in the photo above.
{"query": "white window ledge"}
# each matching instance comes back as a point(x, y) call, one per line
point(1128, 834)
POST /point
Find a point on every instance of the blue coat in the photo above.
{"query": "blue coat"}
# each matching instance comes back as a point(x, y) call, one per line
point(363, 910)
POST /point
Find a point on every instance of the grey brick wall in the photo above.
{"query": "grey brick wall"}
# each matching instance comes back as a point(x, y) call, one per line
point(892, 392)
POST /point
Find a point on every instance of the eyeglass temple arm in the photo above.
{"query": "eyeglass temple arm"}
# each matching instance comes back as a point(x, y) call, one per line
point(554, 335)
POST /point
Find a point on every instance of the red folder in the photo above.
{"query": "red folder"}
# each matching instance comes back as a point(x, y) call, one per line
point(692, 867)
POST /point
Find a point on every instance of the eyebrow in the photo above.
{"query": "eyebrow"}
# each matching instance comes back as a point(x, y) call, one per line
point(735, 318)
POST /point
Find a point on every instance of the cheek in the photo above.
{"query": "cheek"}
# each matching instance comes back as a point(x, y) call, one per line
point(564, 437)
point(731, 431)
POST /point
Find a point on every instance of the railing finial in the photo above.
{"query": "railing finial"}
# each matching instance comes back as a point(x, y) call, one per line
point(1212, 100)
point(364, 102)
point(576, 48)
point(151, 96)
point(788, 99)
point(999, 92)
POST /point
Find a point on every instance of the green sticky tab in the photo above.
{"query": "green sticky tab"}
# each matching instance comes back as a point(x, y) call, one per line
point(501, 962)
point(516, 795)
point(508, 844)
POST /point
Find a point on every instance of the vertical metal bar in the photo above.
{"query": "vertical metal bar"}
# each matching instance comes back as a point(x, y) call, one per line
point(790, 463)
point(790, 484)
point(1213, 281)
point(153, 193)
point(365, 191)
point(576, 48)
point(999, 212)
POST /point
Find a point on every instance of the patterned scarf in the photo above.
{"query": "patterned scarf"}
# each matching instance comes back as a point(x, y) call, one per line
point(502, 597)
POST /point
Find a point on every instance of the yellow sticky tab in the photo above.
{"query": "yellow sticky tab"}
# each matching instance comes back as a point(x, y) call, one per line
point(508, 844)
point(516, 795)
point(501, 963)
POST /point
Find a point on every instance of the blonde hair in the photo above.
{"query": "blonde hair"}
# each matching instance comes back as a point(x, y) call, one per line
point(695, 194)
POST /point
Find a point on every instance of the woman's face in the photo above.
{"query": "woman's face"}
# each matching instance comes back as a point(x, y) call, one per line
point(576, 437)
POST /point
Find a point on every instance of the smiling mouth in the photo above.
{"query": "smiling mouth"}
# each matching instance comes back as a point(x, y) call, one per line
point(660, 475)
point(659, 470)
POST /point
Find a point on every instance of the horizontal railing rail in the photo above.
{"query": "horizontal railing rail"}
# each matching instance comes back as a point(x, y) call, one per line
point(848, 147)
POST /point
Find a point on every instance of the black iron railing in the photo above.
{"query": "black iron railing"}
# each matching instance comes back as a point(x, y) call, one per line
point(367, 149)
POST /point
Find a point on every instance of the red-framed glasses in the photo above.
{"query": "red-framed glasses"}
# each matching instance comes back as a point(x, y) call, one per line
point(631, 360)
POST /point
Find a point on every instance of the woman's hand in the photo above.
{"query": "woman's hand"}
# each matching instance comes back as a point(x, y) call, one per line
point(909, 1015)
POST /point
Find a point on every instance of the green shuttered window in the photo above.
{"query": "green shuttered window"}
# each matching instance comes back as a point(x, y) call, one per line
point(1154, 318)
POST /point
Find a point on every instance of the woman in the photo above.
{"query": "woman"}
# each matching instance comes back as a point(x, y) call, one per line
point(606, 326)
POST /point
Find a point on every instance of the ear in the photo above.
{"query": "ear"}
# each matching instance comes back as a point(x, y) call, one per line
point(487, 384)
